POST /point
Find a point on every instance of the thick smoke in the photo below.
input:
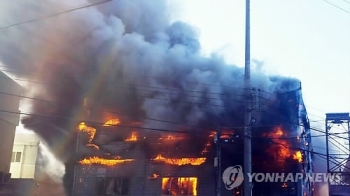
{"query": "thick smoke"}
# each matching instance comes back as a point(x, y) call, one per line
point(124, 57)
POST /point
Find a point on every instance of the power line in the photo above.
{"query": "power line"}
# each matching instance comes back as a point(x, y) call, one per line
point(291, 147)
point(306, 106)
point(165, 121)
point(113, 112)
point(143, 86)
point(337, 6)
point(54, 15)
point(311, 128)
point(155, 129)
point(146, 86)
point(24, 80)
point(97, 109)
point(137, 86)
point(93, 122)
point(101, 123)
point(164, 99)
point(140, 88)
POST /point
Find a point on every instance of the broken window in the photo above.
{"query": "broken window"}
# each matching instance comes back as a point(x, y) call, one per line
point(113, 186)
point(16, 156)
point(179, 186)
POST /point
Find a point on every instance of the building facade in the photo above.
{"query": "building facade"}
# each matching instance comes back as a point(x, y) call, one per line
point(114, 160)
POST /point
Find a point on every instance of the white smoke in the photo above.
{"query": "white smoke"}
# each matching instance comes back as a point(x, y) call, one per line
point(49, 164)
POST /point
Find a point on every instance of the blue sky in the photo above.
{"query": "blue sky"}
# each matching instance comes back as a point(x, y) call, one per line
point(309, 40)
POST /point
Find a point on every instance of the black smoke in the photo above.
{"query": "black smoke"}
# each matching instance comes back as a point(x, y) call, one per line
point(125, 57)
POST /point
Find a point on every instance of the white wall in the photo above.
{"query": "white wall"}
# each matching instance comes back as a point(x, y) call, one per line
point(27, 145)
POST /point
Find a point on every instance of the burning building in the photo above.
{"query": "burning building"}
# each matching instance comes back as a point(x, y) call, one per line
point(117, 159)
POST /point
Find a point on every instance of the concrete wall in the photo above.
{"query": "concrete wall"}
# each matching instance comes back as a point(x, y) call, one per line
point(8, 120)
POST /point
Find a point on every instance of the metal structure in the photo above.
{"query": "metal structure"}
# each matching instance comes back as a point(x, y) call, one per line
point(247, 110)
point(338, 150)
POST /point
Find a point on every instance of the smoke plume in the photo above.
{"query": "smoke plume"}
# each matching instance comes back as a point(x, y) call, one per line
point(123, 56)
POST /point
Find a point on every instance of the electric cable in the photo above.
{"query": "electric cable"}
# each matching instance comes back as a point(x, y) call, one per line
point(54, 15)
point(336, 6)
point(311, 128)
point(118, 113)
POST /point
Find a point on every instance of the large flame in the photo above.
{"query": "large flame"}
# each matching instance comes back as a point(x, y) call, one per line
point(179, 186)
point(112, 122)
point(132, 138)
point(298, 156)
point(90, 130)
point(280, 152)
point(102, 161)
point(180, 161)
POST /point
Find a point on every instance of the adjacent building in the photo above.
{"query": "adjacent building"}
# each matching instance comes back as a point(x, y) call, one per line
point(9, 120)
point(24, 155)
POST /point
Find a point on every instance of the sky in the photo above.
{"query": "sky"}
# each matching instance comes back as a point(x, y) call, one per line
point(309, 40)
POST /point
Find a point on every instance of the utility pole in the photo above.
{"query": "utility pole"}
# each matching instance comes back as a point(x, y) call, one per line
point(247, 109)
point(218, 160)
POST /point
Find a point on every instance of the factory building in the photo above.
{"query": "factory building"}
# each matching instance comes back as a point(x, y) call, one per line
point(127, 160)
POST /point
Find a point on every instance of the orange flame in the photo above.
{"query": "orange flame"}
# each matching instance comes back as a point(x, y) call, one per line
point(279, 132)
point(171, 137)
point(279, 152)
point(298, 156)
point(112, 122)
point(207, 145)
point(180, 161)
point(179, 186)
point(90, 130)
point(132, 138)
point(225, 137)
point(93, 146)
point(154, 176)
point(102, 161)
